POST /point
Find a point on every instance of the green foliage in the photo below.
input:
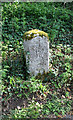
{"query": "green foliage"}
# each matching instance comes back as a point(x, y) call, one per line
point(17, 86)
point(13, 29)
point(56, 20)
point(18, 18)
point(54, 106)
point(53, 19)
point(33, 111)
point(62, 64)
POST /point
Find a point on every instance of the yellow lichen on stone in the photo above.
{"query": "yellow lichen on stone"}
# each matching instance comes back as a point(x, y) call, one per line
point(33, 33)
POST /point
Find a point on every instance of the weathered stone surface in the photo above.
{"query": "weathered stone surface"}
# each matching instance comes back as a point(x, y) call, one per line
point(37, 54)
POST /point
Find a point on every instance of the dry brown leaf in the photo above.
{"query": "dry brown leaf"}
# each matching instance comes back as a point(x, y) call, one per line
point(68, 89)
point(59, 116)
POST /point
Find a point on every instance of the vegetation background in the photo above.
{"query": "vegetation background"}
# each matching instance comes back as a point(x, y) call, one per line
point(56, 20)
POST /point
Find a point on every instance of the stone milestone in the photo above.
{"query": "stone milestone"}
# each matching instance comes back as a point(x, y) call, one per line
point(36, 48)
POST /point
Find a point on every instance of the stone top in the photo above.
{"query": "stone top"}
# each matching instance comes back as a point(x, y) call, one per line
point(34, 33)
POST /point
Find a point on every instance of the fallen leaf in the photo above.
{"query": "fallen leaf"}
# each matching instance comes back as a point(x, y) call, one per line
point(68, 89)
point(59, 116)
point(18, 107)
point(63, 96)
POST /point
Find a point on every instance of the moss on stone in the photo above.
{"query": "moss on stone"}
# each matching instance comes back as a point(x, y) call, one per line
point(33, 33)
